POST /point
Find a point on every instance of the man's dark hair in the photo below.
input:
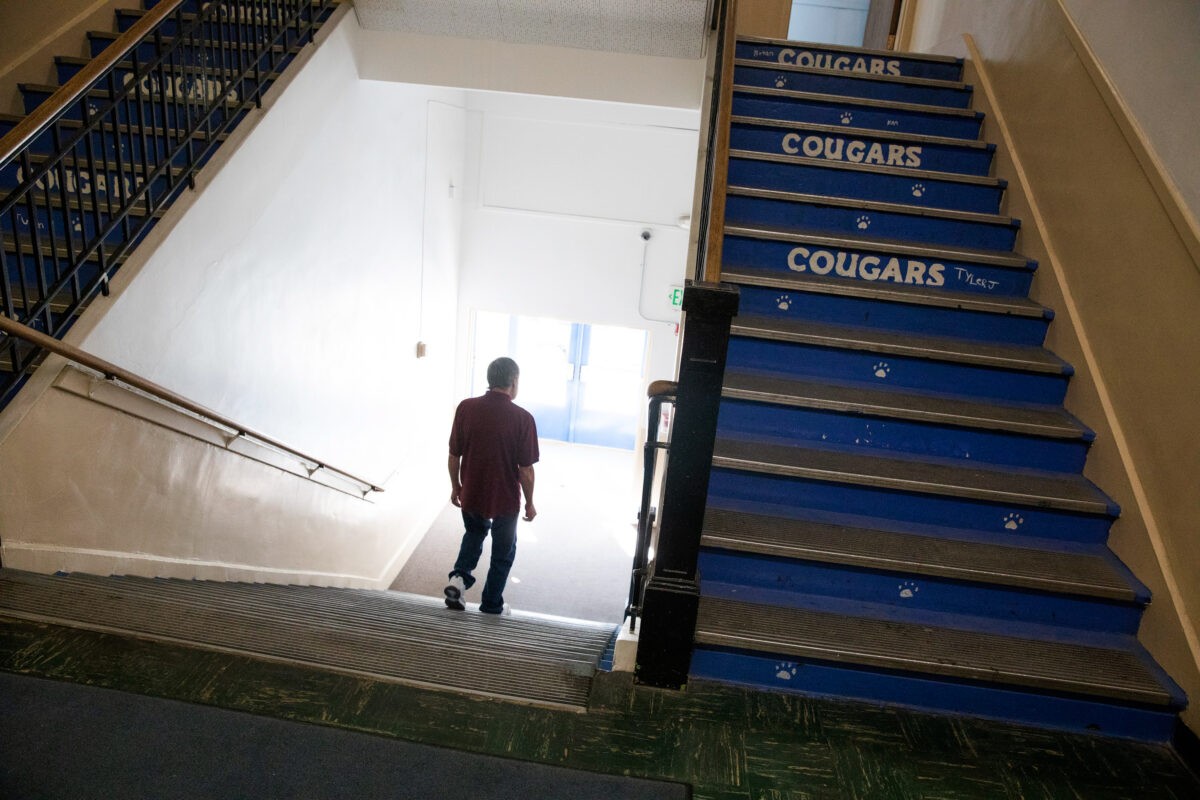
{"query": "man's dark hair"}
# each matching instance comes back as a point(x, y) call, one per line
point(502, 373)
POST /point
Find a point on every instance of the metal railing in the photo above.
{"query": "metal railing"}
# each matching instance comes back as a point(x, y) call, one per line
point(659, 392)
point(711, 222)
point(40, 341)
point(94, 165)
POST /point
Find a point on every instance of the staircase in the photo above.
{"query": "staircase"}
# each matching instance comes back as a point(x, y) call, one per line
point(896, 510)
point(66, 234)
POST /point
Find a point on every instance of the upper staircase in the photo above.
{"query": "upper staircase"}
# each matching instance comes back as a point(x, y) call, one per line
point(161, 93)
point(896, 510)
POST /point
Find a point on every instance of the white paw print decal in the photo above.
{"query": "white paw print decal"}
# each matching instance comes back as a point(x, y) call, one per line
point(780, 81)
point(908, 589)
point(784, 302)
point(881, 369)
point(847, 117)
point(1013, 521)
point(785, 670)
point(76, 225)
point(918, 189)
point(863, 222)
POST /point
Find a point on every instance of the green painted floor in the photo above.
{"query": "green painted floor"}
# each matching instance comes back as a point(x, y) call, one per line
point(726, 743)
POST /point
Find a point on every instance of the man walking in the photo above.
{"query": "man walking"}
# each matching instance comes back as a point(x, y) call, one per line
point(493, 447)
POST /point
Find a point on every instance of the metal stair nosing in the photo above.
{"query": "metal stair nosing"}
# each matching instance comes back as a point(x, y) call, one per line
point(874, 169)
point(995, 258)
point(1050, 422)
point(1001, 305)
point(1061, 492)
point(1032, 664)
point(863, 133)
point(1022, 358)
point(900, 80)
point(870, 102)
point(418, 660)
point(905, 554)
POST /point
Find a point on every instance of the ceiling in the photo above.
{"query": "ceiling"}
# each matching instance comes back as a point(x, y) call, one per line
point(671, 28)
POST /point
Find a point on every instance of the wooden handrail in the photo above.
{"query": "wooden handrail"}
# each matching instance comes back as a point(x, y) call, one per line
point(112, 371)
point(720, 145)
point(81, 83)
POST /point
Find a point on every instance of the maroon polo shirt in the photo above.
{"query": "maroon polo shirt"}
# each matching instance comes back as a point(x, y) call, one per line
point(494, 436)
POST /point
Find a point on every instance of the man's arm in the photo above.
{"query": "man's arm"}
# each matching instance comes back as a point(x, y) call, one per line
point(456, 484)
point(525, 475)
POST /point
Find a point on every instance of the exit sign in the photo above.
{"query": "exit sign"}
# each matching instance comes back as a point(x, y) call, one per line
point(676, 296)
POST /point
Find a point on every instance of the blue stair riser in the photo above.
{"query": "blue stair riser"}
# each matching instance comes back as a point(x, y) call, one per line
point(817, 679)
point(740, 419)
point(874, 266)
point(849, 85)
point(82, 224)
point(239, 22)
point(192, 56)
point(893, 506)
point(782, 303)
point(124, 144)
point(831, 111)
point(815, 56)
point(83, 182)
point(861, 185)
point(154, 109)
point(895, 371)
point(179, 86)
point(816, 216)
point(811, 584)
point(861, 147)
point(23, 270)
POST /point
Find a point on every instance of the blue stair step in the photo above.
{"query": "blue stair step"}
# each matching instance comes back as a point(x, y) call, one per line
point(851, 59)
point(840, 216)
point(195, 53)
point(920, 188)
point(126, 142)
point(89, 177)
point(872, 260)
point(23, 268)
point(180, 86)
point(857, 112)
point(862, 146)
point(154, 107)
point(879, 421)
point(910, 490)
point(249, 26)
point(911, 308)
point(1091, 572)
point(930, 363)
point(1116, 688)
point(747, 72)
point(82, 216)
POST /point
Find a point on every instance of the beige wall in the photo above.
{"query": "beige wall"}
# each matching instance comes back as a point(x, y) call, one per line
point(32, 32)
point(764, 18)
point(1124, 283)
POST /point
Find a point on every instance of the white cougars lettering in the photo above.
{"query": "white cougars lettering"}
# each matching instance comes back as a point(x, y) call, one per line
point(866, 267)
point(858, 152)
point(804, 58)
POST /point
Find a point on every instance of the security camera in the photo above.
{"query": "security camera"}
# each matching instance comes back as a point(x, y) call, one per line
point(646, 235)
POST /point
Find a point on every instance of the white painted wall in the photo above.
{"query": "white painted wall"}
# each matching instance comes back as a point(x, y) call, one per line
point(290, 296)
point(560, 193)
point(829, 21)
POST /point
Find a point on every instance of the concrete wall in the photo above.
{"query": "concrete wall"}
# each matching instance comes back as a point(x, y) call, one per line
point(287, 293)
point(32, 33)
point(1117, 267)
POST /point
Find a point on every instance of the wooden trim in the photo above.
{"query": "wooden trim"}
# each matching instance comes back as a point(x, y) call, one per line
point(112, 371)
point(904, 28)
point(716, 208)
point(1156, 172)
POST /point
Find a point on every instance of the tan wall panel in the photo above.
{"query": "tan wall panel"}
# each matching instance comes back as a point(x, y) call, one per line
point(1125, 289)
point(764, 18)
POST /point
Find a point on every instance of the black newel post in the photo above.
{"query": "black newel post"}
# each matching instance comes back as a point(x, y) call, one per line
point(672, 594)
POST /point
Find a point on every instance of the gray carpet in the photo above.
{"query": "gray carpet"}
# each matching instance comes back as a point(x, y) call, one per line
point(64, 740)
point(573, 560)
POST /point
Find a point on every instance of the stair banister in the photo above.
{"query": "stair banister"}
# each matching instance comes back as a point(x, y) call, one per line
point(113, 372)
point(659, 393)
point(716, 169)
point(73, 90)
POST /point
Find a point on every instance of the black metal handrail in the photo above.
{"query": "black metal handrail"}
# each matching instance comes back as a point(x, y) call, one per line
point(659, 392)
point(714, 169)
point(120, 141)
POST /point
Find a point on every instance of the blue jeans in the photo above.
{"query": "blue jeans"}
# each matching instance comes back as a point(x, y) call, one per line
point(504, 550)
